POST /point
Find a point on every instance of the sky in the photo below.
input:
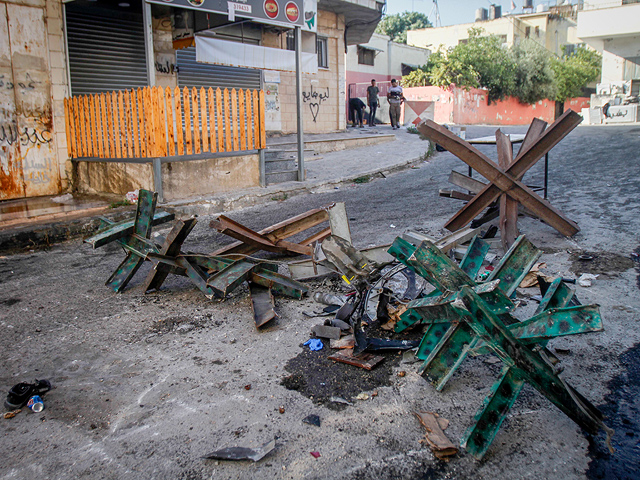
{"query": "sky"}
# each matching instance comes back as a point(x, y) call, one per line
point(454, 11)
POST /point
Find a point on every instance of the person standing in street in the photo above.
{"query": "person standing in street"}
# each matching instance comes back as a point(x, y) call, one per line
point(395, 99)
point(372, 101)
point(356, 110)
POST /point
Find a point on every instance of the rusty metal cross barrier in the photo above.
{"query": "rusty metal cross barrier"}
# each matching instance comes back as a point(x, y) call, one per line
point(465, 317)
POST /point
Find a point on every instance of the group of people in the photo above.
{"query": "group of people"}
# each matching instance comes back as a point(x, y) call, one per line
point(394, 97)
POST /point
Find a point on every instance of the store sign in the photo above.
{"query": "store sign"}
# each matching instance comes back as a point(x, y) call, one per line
point(285, 13)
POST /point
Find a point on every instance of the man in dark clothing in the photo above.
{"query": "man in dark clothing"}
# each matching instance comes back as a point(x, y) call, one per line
point(372, 100)
point(356, 106)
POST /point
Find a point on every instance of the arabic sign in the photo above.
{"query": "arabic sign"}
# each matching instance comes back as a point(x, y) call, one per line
point(285, 13)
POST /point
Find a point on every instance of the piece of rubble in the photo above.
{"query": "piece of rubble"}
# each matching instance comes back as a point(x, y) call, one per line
point(242, 453)
point(435, 425)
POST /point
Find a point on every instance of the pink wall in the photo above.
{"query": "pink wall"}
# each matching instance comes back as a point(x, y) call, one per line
point(359, 77)
point(463, 107)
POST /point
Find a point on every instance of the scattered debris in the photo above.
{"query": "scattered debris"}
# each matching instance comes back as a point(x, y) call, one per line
point(402, 373)
point(312, 420)
point(315, 454)
point(362, 360)
point(11, 414)
point(340, 400)
point(281, 409)
point(262, 304)
point(436, 439)
point(323, 331)
point(587, 279)
point(348, 341)
point(247, 387)
point(362, 396)
point(314, 344)
point(242, 453)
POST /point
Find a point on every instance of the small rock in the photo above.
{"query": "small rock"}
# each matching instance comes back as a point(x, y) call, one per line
point(247, 387)
point(402, 373)
point(281, 409)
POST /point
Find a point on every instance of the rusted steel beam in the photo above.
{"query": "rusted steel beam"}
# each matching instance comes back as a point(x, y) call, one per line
point(261, 304)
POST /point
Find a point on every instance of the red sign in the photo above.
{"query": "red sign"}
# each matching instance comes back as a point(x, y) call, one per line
point(292, 12)
point(271, 8)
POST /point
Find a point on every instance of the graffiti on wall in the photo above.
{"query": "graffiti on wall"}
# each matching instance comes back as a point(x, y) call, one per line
point(11, 134)
point(314, 99)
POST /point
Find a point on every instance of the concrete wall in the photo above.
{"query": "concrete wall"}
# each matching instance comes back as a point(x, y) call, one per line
point(33, 149)
point(450, 36)
point(179, 179)
point(458, 106)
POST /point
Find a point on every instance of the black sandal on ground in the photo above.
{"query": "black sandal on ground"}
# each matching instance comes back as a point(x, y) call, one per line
point(20, 394)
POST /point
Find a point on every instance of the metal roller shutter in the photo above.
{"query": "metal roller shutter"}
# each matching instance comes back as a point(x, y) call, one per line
point(106, 50)
point(194, 74)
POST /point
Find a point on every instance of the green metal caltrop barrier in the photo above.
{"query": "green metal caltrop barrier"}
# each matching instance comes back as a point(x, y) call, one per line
point(215, 276)
point(466, 317)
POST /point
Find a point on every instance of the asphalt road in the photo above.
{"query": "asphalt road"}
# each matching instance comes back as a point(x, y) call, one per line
point(147, 384)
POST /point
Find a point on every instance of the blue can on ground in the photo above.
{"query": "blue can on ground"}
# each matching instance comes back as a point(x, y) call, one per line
point(35, 403)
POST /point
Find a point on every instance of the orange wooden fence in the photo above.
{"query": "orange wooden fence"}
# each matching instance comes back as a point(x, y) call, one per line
point(155, 122)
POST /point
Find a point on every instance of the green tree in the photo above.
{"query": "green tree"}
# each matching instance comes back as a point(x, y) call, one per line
point(534, 77)
point(575, 71)
point(396, 26)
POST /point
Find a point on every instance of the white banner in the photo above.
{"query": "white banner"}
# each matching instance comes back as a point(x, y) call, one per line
point(222, 52)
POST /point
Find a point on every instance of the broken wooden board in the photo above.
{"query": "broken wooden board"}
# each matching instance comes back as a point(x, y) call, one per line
point(262, 304)
point(348, 341)
point(435, 425)
point(363, 360)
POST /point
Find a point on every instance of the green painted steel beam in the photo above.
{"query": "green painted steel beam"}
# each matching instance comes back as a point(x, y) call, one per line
point(279, 283)
point(230, 277)
point(123, 229)
point(471, 263)
point(527, 364)
point(489, 418)
point(198, 276)
point(515, 265)
point(429, 262)
point(558, 295)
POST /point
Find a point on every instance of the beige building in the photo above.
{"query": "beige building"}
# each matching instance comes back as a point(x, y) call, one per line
point(51, 51)
point(553, 30)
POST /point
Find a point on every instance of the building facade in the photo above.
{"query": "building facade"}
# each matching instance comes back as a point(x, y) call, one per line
point(51, 51)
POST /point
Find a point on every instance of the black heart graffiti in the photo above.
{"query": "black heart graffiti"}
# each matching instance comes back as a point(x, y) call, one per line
point(315, 108)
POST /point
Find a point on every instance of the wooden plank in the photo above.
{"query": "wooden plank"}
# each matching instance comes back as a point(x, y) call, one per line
point(243, 134)
point(234, 119)
point(122, 132)
point(161, 122)
point(142, 123)
point(179, 133)
point(536, 128)
point(87, 125)
point(203, 120)
point(103, 142)
point(437, 440)
point(263, 133)
point(134, 123)
point(317, 237)
point(212, 120)
point(82, 130)
point(508, 206)
point(248, 102)
point(109, 143)
point(128, 124)
point(227, 120)
point(69, 130)
point(170, 125)
point(444, 192)
point(187, 120)
point(219, 124)
point(285, 229)
point(149, 119)
point(76, 122)
point(94, 125)
point(256, 120)
point(117, 124)
point(196, 123)
point(466, 182)
point(363, 360)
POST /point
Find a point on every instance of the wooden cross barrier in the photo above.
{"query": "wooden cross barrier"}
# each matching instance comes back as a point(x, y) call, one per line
point(505, 179)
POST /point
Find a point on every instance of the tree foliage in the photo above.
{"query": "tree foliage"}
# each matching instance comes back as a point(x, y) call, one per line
point(526, 71)
point(396, 26)
point(574, 72)
point(534, 77)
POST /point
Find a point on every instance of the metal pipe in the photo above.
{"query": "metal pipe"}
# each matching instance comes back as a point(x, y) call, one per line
point(298, 42)
point(148, 43)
